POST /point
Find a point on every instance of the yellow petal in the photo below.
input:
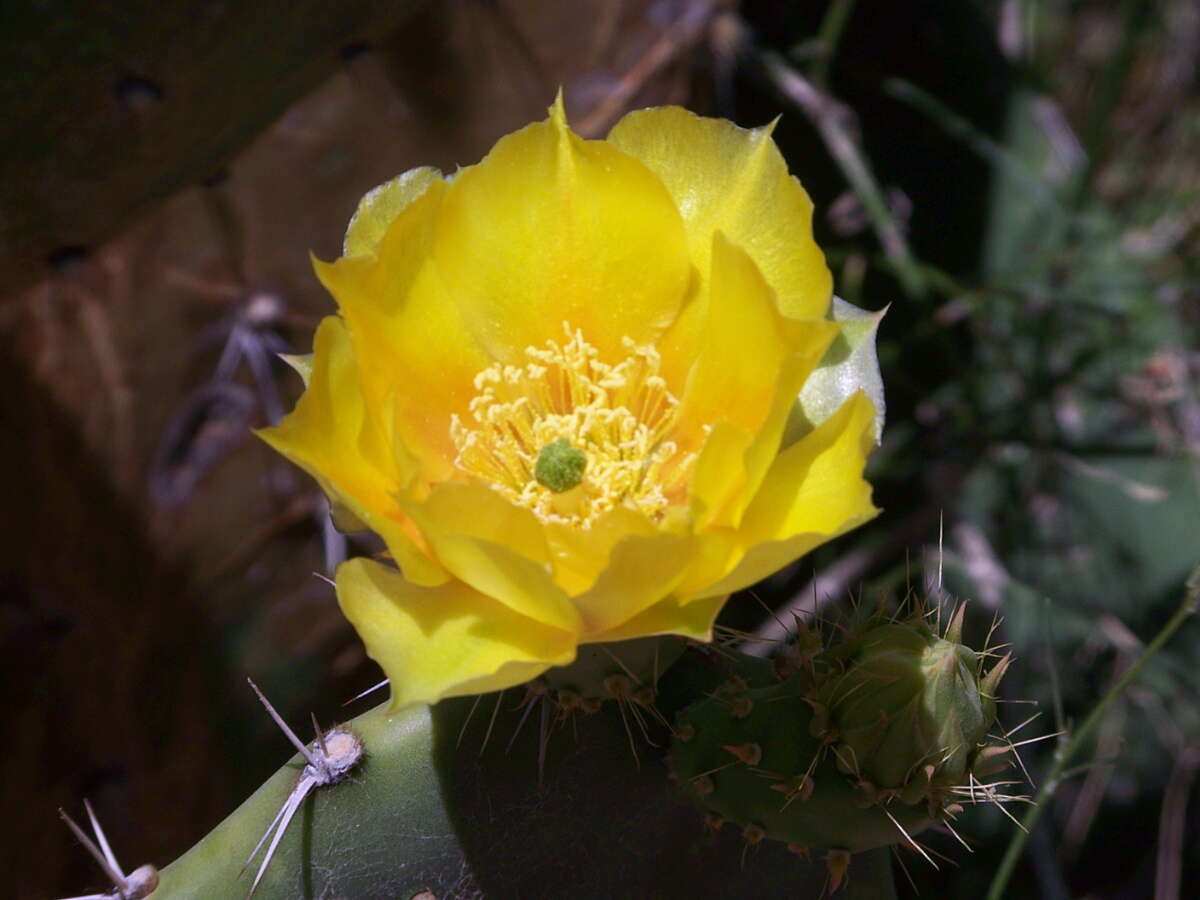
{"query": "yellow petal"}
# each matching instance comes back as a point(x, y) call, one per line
point(717, 551)
point(768, 440)
point(330, 436)
point(496, 547)
point(443, 641)
point(551, 228)
point(581, 554)
point(813, 492)
point(670, 616)
point(641, 571)
point(720, 475)
point(380, 206)
point(734, 180)
point(742, 344)
point(409, 336)
point(750, 364)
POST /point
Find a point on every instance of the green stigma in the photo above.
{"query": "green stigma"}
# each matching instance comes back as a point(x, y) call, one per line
point(559, 466)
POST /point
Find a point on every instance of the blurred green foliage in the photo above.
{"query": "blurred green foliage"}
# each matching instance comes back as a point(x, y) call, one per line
point(1043, 393)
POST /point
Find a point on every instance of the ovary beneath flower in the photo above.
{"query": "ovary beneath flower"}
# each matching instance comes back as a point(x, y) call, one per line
point(617, 415)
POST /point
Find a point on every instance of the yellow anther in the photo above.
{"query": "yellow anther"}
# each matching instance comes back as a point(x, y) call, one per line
point(571, 436)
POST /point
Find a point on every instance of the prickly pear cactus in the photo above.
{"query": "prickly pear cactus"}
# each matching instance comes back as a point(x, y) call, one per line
point(509, 795)
point(857, 746)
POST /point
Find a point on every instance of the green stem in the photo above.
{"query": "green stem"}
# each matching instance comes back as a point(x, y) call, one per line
point(1067, 749)
point(1112, 82)
point(830, 35)
point(829, 117)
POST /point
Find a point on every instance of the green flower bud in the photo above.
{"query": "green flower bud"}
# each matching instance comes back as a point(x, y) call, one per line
point(908, 708)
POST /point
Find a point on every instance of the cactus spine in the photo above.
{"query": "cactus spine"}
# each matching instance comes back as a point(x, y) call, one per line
point(859, 745)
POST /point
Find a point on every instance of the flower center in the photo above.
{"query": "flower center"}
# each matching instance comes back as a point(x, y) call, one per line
point(570, 436)
point(559, 466)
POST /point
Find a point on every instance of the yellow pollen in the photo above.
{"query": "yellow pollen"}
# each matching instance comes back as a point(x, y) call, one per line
point(617, 415)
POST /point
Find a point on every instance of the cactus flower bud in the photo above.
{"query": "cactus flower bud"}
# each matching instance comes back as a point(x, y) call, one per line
point(909, 708)
point(868, 745)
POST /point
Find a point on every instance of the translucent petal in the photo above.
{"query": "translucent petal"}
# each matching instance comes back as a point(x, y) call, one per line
point(849, 365)
point(380, 206)
point(734, 180)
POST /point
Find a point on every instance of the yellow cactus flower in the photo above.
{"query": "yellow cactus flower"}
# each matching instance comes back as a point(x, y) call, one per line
point(583, 390)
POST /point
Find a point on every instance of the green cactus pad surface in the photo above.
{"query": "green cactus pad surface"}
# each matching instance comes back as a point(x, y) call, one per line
point(504, 796)
point(383, 832)
point(779, 721)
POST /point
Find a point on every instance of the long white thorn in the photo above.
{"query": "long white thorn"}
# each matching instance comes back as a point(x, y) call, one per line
point(904, 868)
point(289, 810)
point(521, 723)
point(317, 764)
point(1034, 740)
point(320, 736)
point(958, 837)
point(999, 804)
point(1020, 762)
point(372, 689)
point(262, 840)
point(908, 838)
point(996, 620)
point(467, 721)
point(103, 841)
point(975, 786)
point(114, 875)
point(1016, 728)
point(491, 722)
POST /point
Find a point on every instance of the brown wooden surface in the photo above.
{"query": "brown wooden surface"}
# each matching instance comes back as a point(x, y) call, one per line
point(108, 106)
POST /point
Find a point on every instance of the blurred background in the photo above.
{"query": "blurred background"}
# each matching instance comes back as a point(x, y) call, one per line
point(1018, 179)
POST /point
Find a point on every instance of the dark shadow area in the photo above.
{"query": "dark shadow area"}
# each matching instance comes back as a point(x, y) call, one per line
point(601, 825)
point(104, 661)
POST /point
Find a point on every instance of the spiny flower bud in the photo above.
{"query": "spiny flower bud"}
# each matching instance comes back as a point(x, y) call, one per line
point(869, 745)
point(909, 707)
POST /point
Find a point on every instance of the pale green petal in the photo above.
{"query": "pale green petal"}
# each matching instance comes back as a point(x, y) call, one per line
point(380, 206)
point(850, 365)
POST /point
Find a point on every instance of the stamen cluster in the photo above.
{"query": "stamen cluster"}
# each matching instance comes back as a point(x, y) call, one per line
point(618, 415)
